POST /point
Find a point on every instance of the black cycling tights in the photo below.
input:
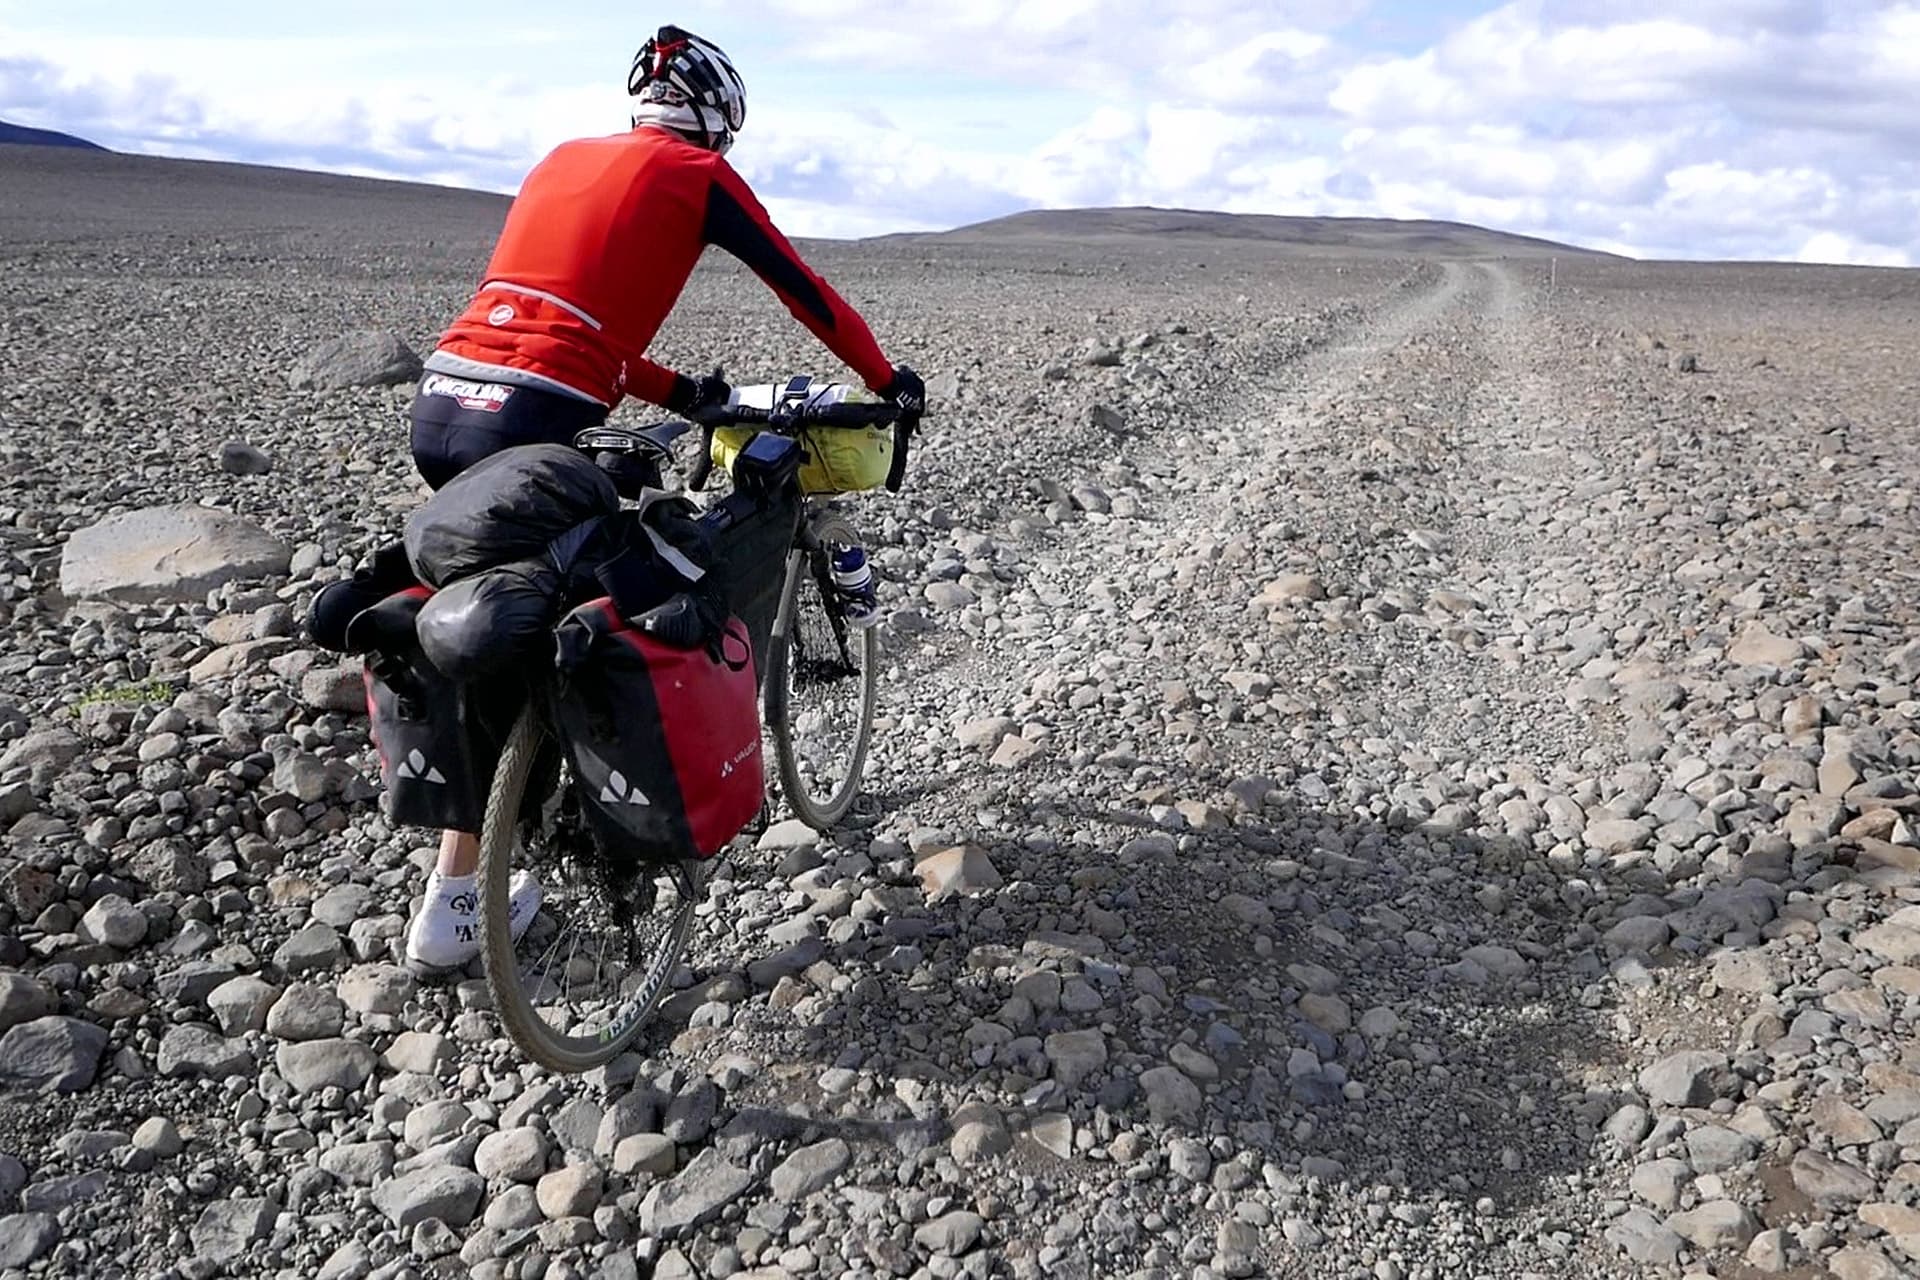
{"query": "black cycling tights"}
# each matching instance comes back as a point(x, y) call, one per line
point(457, 422)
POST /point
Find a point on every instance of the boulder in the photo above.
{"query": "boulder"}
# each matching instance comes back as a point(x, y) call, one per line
point(169, 553)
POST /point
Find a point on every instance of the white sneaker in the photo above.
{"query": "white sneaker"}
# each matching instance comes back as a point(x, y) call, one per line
point(445, 933)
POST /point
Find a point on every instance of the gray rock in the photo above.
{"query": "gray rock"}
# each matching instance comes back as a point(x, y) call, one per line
point(315, 947)
point(191, 1049)
point(1690, 1078)
point(158, 1135)
point(695, 1196)
point(227, 1229)
point(514, 1155)
point(22, 999)
point(242, 1003)
point(167, 553)
point(810, 1169)
point(115, 922)
point(26, 1237)
point(362, 358)
point(572, 1191)
point(306, 1011)
point(1172, 1097)
point(1660, 1183)
point(54, 1053)
point(1075, 1055)
point(438, 1191)
point(1644, 1238)
point(1717, 1224)
point(238, 458)
point(317, 1064)
point(1713, 1149)
point(1830, 1184)
point(950, 1234)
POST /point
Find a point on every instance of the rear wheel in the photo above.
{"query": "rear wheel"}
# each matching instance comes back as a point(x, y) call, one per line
point(822, 680)
point(580, 984)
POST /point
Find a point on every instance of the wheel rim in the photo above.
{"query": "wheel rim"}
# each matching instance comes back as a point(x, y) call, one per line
point(582, 980)
point(828, 682)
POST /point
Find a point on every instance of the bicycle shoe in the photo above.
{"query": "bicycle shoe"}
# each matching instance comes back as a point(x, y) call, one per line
point(445, 933)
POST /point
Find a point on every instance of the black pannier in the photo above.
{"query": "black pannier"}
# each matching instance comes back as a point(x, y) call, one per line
point(439, 739)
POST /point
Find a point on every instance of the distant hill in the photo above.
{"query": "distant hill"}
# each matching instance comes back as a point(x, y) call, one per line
point(1389, 235)
point(60, 193)
point(21, 135)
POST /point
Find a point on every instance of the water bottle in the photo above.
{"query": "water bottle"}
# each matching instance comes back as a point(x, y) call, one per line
point(850, 571)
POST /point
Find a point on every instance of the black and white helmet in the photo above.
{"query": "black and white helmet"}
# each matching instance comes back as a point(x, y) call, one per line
point(686, 84)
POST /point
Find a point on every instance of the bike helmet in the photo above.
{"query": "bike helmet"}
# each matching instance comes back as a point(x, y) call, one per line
point(686, 84)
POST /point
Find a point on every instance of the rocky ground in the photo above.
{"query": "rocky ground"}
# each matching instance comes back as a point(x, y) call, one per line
point(1437, 753)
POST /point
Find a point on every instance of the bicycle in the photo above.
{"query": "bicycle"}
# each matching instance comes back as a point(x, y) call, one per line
point(612, 929)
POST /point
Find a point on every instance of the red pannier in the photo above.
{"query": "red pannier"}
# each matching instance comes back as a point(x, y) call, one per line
point(664, 741)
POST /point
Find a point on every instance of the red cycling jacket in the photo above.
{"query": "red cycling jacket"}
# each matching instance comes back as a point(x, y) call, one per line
point(596, 249)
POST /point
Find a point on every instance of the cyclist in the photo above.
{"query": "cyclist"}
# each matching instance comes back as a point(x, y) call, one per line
point(596, 248)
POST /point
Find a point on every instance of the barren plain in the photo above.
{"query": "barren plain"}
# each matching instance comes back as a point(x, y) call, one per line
point(1443, 729)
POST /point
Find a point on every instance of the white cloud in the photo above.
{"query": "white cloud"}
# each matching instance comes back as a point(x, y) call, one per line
point(1724, 128)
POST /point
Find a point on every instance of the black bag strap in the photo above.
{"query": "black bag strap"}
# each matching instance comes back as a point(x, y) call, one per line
point(735, 631)
point(903, 428)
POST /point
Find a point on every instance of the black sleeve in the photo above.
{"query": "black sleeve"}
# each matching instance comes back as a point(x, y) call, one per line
point(731, 227)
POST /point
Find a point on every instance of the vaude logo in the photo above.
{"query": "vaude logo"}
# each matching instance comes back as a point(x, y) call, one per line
point(619, 791)
point(728, 766)
point(416, 769)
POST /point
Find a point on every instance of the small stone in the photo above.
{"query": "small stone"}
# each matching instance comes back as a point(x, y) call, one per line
point(306, 1011)
point(810, 1169)
point(26, 1237)
point(227, 1229)
point(238, 458)
point(1171, 1096)
point(319, 1064)
point(1768, 1252)
point(695, 1196)
point(1659, 1183)
point(965, 871)
point(1865, 1262)
point(1690, 1078)
point(1644, 1238)
point(1075, 1055)
point(242, 1003)
point(950, 1234)
point(570, 1192)
point(115, 922)
point(191, 1049)
point(1759, 647)
point(512, 1155)
point(448, 1193)
point(1830, 1184)
point(158, 1135)
point(51, 1053)
point(649, 1153)
point(1717, 1224)
point(1289, 588)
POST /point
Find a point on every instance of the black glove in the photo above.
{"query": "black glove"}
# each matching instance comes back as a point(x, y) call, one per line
point(690, 397)
point(905, 390)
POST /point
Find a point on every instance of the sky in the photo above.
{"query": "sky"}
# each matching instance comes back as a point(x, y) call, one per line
point(1776, 129)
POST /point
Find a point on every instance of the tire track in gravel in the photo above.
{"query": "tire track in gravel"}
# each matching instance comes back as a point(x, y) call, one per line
point(1246, 832)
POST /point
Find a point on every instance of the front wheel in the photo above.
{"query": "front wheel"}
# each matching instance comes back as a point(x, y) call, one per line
point(579, 985)
point(822, 680)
